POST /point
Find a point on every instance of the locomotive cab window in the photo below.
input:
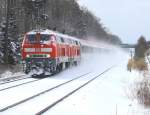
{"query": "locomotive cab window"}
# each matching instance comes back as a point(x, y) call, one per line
point(31, 38)
point(44, 38)
point(53, 38)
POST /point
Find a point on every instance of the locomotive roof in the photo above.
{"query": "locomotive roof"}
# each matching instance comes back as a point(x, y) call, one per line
point(49, 32)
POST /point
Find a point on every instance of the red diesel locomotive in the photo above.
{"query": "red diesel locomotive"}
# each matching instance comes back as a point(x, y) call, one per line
point(46, 51)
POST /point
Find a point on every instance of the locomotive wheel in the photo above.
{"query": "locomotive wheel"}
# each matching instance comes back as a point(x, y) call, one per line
point(56, 70)
point(61, 67)
point(75, 63)
point(27, 71)
point(67, 64)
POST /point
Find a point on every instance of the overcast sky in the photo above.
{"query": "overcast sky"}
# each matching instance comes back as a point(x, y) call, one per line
point(129, 19)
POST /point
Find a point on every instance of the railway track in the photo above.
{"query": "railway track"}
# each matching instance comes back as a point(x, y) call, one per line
point(19, 84)
point(70, 93)
point(38, 95)
point(29, 98)
point(13, 79)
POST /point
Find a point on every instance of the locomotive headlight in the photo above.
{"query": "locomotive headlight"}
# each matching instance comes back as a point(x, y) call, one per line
point(27, 55)
point(48, 55)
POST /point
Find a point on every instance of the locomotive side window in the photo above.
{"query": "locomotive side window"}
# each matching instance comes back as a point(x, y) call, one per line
point(73, 42)
point(58, 39)
point(62, 40)
point(67, 41)
point(76, 42)
point(70, 42)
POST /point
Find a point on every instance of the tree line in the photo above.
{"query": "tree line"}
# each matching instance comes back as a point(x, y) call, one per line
point(62, 15)
point(20, 16)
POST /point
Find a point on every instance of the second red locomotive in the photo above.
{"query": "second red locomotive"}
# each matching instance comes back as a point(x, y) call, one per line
point(46, 51)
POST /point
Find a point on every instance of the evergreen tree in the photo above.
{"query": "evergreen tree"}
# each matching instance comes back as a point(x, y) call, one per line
point(141, 48)
point(8, 33)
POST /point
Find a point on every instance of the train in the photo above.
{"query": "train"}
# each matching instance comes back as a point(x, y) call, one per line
point(48, 52)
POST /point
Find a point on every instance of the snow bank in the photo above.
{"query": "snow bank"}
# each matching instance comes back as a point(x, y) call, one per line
point(9, 74)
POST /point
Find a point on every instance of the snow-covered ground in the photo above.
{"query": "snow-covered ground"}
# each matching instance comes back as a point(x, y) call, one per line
point(107, 95)
point(8, 74)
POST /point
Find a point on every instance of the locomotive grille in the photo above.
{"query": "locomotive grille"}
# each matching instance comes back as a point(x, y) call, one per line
point(34, 56)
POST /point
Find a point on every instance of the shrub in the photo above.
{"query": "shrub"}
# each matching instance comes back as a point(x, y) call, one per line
point(141, 48)
point(143, 92)
point(138, 64)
